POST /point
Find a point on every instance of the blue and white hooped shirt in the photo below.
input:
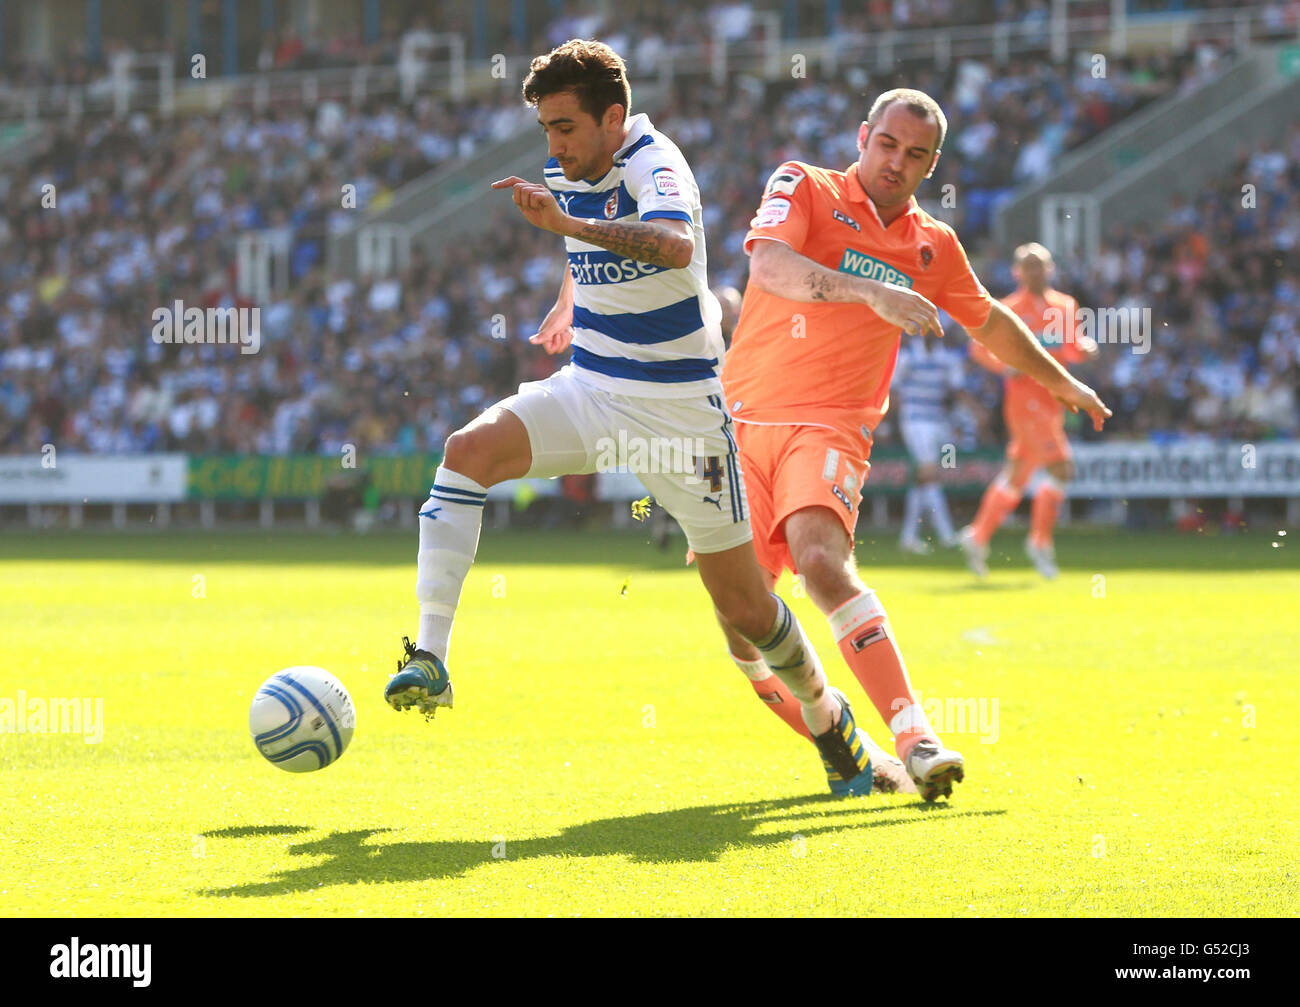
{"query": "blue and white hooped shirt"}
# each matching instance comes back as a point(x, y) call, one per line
point(639, 329)
point(924, 376)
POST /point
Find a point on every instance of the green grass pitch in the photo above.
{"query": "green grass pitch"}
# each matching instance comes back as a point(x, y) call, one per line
point(605, 758)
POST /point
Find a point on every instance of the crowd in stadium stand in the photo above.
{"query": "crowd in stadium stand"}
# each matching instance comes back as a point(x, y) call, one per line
point(640, 29)
point(1007, 126)
point(1219, 275)
point(148, 212)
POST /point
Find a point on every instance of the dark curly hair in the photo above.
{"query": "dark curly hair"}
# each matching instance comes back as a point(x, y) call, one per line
point(593, 71)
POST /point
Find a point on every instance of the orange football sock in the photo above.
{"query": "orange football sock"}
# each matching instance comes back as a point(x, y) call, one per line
point(1042, 514)
point(772, 691)
point(1000, 499)
point(866, 640)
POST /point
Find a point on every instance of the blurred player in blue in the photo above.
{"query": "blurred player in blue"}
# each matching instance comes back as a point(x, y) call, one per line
point(928, 376)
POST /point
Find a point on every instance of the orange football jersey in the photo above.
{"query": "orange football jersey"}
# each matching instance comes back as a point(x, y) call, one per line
point(796, 362)
point(1053, 319)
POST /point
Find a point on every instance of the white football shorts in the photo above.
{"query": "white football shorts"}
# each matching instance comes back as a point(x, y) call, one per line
point(681, 449)
point(924, 440)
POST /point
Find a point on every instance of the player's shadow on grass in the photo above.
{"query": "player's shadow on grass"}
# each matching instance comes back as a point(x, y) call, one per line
point(699, 834)
point(244, 831)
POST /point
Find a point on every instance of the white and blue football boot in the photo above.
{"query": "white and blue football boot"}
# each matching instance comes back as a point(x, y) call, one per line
point(421, 682)
point(888, 774)
point(844, 755)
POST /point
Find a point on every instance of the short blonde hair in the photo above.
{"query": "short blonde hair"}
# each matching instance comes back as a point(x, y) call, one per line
point(918, 103)
point(1032, 250)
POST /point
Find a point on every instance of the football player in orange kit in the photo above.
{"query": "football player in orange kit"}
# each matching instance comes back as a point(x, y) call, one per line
point(1035, 419)
point(840, 262)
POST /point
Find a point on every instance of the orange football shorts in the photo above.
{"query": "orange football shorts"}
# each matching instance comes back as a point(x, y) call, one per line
point(788, 468)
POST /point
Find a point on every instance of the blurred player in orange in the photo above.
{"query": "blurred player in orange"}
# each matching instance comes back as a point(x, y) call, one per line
point(1035, 419)
point(840, 262)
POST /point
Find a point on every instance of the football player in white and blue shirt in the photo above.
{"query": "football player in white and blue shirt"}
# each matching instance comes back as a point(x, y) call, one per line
point(640, 328)
point(641, 390)
point(927, 375)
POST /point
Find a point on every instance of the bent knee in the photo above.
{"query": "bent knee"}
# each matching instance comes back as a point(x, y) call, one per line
point(463, 448)
point(480, 453)
point(734, 636)
point(747, 616)
point(825, 571)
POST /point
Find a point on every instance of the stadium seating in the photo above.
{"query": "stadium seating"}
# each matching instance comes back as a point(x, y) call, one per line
point(149, 210)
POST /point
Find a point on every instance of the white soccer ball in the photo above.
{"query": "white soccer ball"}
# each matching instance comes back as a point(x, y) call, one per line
point(302, 719)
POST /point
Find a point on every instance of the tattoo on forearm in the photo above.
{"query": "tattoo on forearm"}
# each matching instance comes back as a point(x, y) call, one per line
point(644, 242)
point(820, 287)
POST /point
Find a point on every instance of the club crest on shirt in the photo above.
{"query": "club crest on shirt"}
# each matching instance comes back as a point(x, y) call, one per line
point(844, 218)
point(785, 181)
point(611, 206)
point(927, 256)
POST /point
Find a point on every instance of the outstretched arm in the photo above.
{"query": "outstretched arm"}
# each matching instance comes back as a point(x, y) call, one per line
point(1010, 340)
point(982, 356)
point(668, 243)
point(779, 269)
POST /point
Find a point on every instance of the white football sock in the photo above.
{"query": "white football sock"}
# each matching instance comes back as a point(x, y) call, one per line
point(937, 506)
point(788, 653)
point(912, 515)
point(450, 521)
